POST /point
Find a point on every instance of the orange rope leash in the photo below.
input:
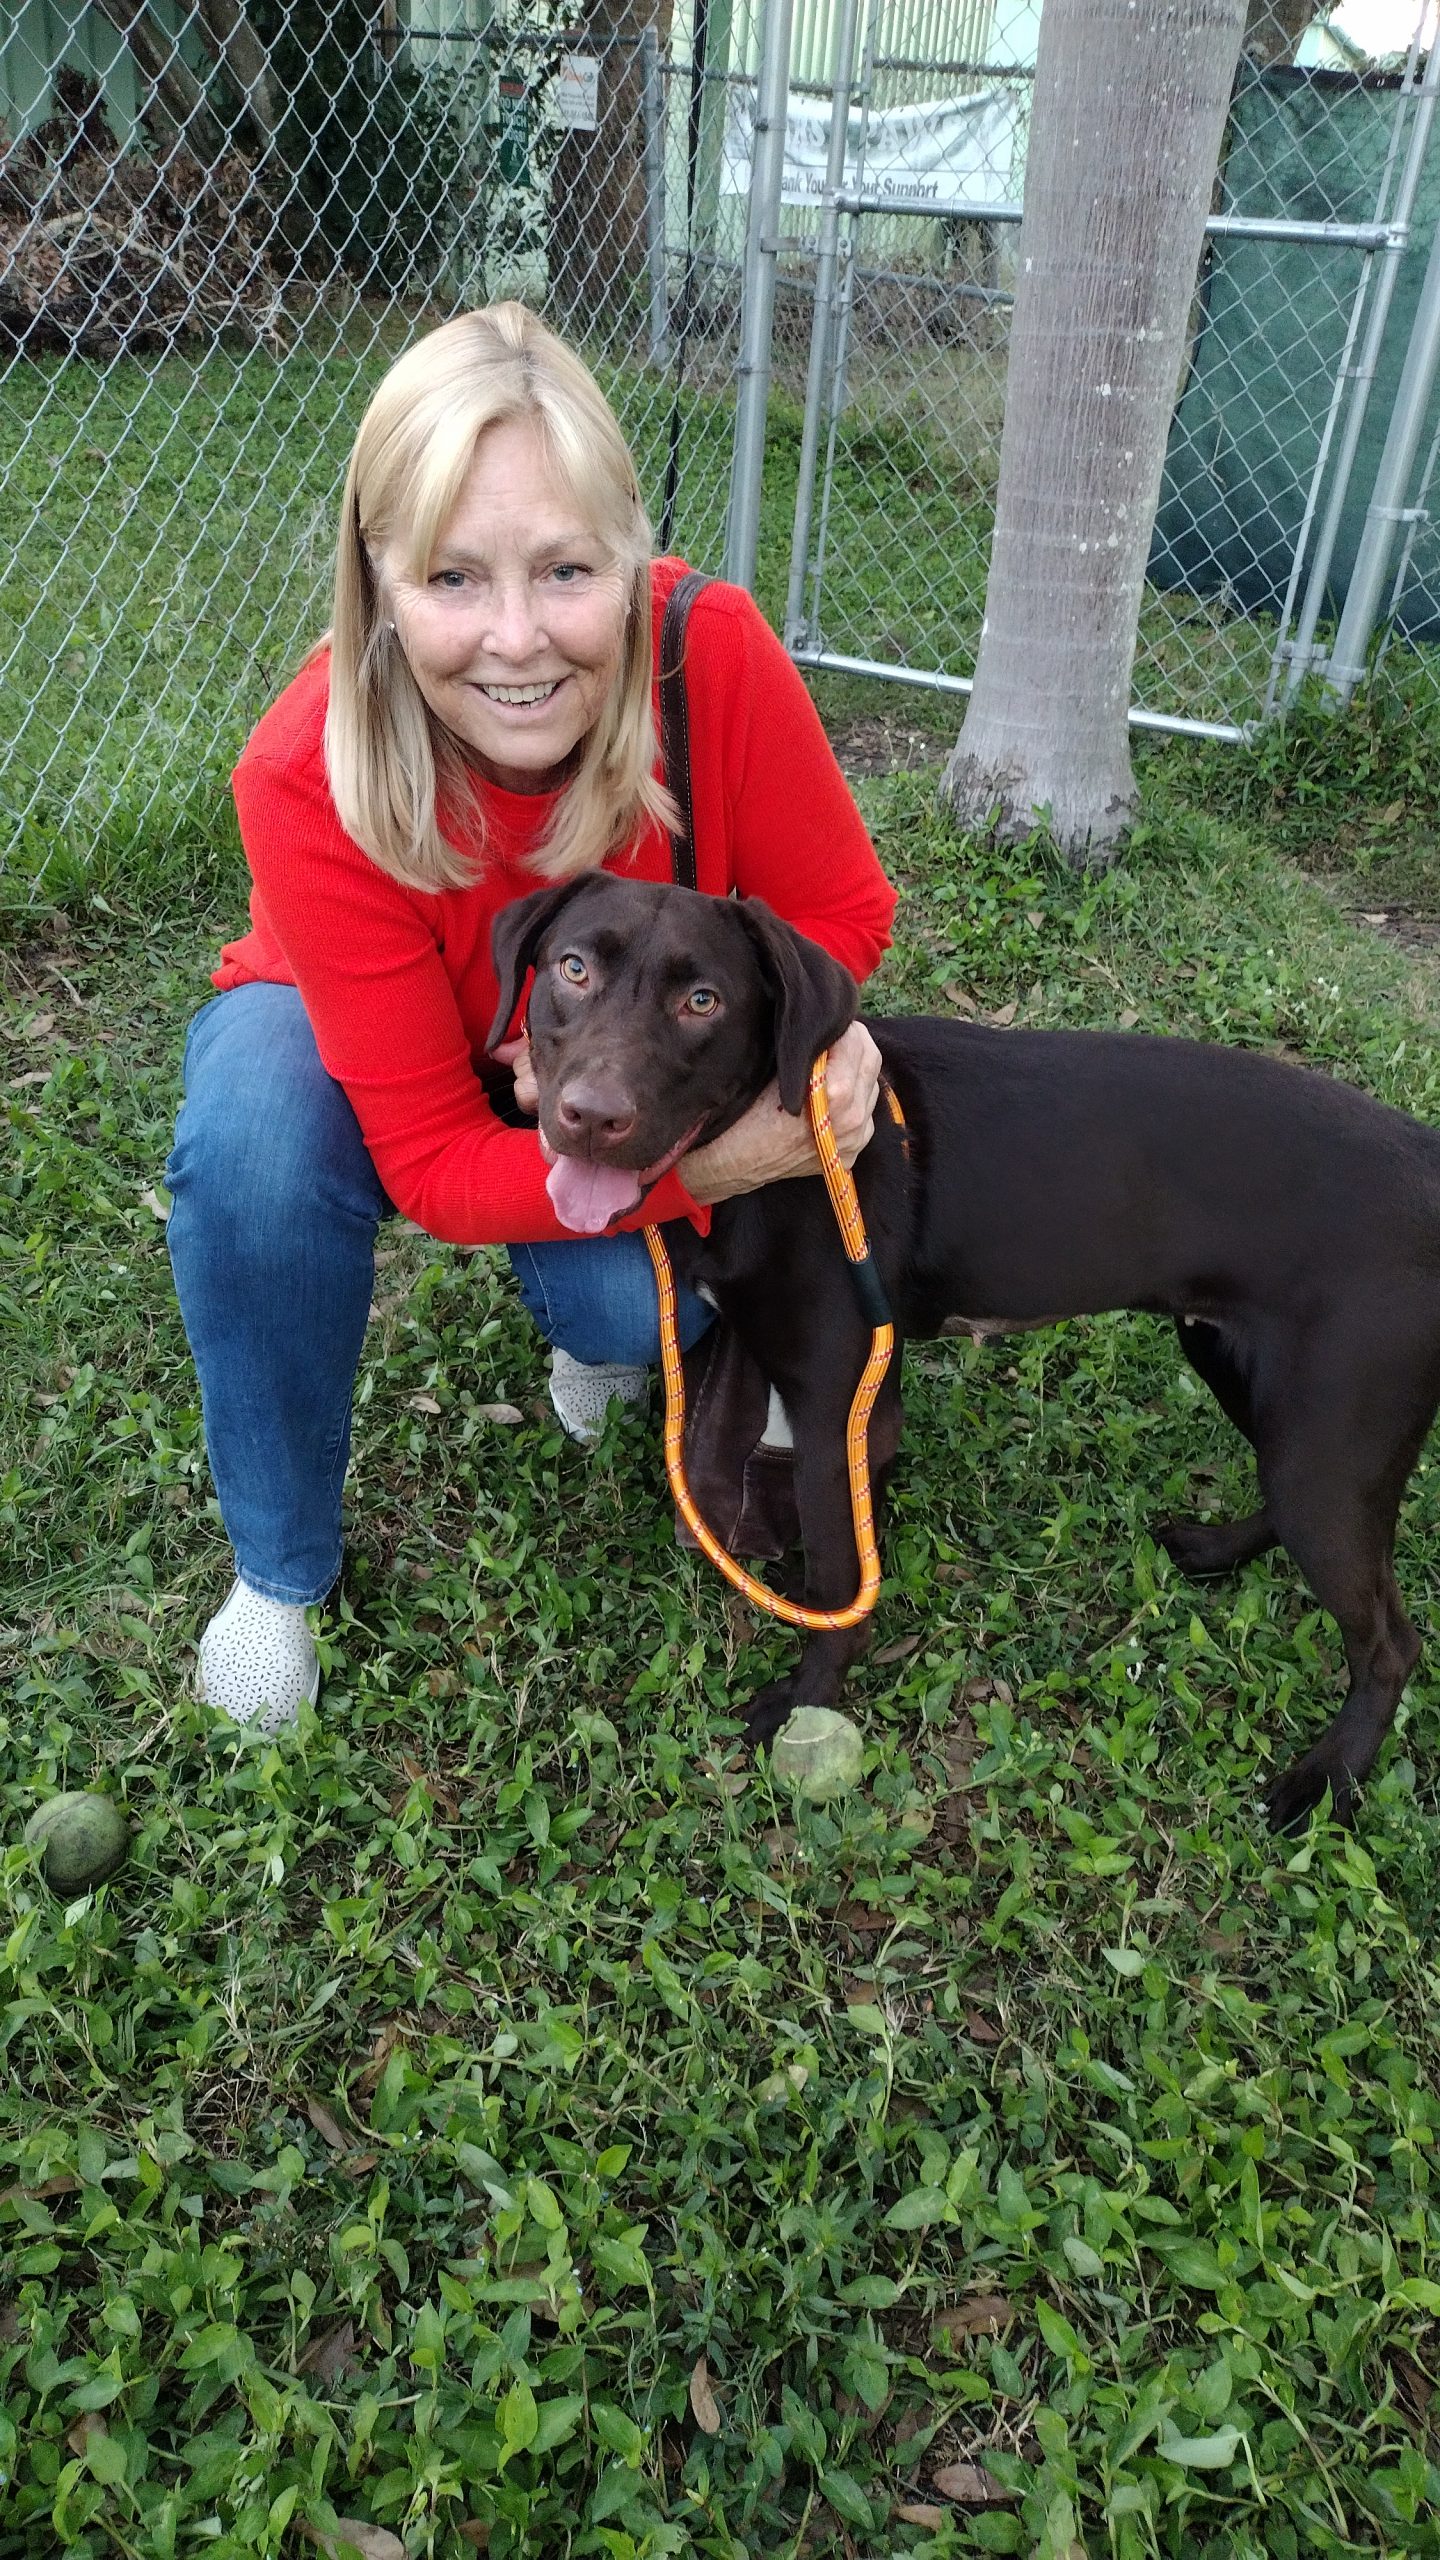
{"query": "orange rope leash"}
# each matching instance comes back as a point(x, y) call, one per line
point(846, 1205)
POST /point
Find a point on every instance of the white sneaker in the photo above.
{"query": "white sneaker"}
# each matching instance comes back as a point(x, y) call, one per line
point(258, 1660)
point(581, 1392)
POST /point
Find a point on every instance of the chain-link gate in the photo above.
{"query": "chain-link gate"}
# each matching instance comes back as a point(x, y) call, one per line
point(218, 226)
point(1330, 185)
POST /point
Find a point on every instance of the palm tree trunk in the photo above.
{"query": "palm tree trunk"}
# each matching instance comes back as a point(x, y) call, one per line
point(1130, 105)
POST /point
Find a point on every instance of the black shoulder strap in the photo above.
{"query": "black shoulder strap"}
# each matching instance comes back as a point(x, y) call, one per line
point(675, 721)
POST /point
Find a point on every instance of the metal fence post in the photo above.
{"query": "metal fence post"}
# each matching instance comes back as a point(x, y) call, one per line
point(1416, 515)
point(797, 623)
point(1302, 653)
point(1387, 509)
point(655, 264)
point(757, 302)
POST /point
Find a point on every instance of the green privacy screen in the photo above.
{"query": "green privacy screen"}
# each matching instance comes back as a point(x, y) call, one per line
point(1246, 435)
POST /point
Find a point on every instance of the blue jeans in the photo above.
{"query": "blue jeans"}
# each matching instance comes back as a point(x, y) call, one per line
point(272, 1242)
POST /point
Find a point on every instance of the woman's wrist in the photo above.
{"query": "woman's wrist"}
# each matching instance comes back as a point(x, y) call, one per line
point(708, 1177)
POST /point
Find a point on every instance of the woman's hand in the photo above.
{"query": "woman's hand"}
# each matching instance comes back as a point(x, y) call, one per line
point(768, 1145)
point(516, 1054)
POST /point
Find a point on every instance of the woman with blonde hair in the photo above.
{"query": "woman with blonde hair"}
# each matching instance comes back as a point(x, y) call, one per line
point(480, 719)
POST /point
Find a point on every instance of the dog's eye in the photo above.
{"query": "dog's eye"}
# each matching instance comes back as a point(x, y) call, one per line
point(701, 1000)
point(572, 969)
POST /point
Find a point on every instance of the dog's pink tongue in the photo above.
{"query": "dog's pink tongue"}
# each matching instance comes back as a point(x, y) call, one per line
point(585, 1197)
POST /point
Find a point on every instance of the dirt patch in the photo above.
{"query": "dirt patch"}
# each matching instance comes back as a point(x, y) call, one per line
point(881, 743)
point(1399, 924)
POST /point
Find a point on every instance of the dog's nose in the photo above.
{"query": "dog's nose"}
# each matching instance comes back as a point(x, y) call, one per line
point(597, 1110)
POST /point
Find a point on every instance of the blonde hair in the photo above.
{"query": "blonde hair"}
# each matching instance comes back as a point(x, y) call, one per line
point(389, 760)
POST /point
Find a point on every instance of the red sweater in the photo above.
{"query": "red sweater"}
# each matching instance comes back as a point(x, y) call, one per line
point(398, 983)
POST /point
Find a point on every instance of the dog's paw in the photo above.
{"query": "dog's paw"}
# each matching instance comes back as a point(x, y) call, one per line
point(767, 1711)
point(1299, 1790)
point(1201, 1548)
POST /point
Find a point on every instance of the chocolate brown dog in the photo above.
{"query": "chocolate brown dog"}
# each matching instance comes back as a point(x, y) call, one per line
point(1290, 1225)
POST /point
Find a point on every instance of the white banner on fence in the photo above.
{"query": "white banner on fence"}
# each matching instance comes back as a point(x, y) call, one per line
point(952, 153)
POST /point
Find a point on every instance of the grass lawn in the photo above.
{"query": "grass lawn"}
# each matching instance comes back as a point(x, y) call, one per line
point(500, 2115)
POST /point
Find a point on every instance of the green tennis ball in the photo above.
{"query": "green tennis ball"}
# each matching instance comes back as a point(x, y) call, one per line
point(82, 1839)
point(818, 1752)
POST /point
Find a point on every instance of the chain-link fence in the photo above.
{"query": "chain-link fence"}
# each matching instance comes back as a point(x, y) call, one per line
point(221, 219)
point(218, 226)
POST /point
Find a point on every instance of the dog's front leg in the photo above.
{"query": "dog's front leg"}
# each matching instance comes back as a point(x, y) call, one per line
point(818, 1418)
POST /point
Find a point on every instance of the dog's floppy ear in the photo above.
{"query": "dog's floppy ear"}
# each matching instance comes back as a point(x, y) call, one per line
point(815, 998)
point(515, 938)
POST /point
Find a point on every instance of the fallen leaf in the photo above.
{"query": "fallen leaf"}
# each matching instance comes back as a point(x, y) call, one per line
point(423, 1404)
point(1034, 917)
point(328, 2357)
point(9, 2324)
point(1382, 916)
point(1003, 1015)
point(326, 2126)
point(961, 998)
point(475, 2533)
point(969, 2486)
point(358, 2164)
point(37, 1075)
point(731, 1782)
point(1129, 1017)
point(914, 2511)
point(704, 2407)
point(984, 2315)
point(64, 2183)
point(499, 1413)
point(372, 2541)
point(384, 2045)
point(979, 2029)
point(79, 2436)
point(157, 1207)
point(961, 1750)
point(39, 1026)
point(897, 1651)
point(862, 1922)
point(441, 1794)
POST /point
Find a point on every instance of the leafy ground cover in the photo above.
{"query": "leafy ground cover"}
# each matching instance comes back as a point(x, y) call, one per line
point(501, 2116)
point(1356, 798)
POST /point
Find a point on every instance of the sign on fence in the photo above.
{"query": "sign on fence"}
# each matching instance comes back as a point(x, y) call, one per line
point(953, 153)
point(575, 100)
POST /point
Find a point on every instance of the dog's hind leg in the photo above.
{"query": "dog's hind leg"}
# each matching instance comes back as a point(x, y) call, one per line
point(1334, 1473)
point(1202, 1547)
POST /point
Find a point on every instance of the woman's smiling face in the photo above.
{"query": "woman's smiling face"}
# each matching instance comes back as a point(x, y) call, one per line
point(516, 635)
